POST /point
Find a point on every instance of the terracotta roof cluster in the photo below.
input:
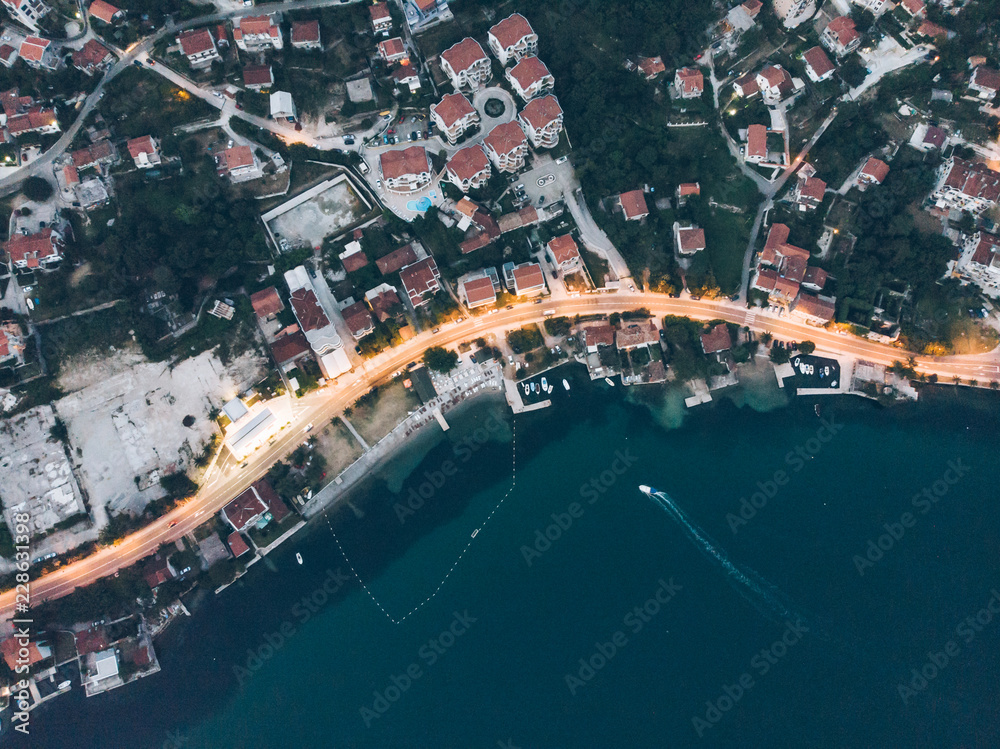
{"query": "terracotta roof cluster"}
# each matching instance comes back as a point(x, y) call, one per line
point(776, 247)
point(32, 248)
point(564, 249)
point(633, 204)
point(816, 59)
point(93, 154)
point(717, 339)
point(396, 260)
point(412, 160)
point(452, 108)
point(306, 31)
point(90, 55)
point(542, 111)
point(307, 310)
point(467, 162)
point(506, 137)
point(511, 30)
point(91, 640)
point(464, 54)
point(987, 250)
point(35, 119)
point(875, 170)
point(974, 180)
point(690, 80)
point(266, 302)
point(196, 41)
point(103, 11)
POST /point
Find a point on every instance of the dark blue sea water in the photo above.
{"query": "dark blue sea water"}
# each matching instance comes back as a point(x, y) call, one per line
point(619, 629)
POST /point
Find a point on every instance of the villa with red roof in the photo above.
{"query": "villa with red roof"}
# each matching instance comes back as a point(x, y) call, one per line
point(966, 186)
point(105, 12)
point(454, 115)
point(775, 84)
point(507, 145)
point(305, 35)
point(915, 8)
point(985, 82)
point(689, 83)
point(35, 120)
point(406, 170)
point(808, 193)
point(392, 50)
point(266, 303)
point(527, 280)
point(239, 163)
point(756, 148)
point(258, 77)
point(688, 239)
point(746, 85)
point(358, 319)
point(633, 205)
point(984, 252)
point(199, 47)
point(478, 292)
point(542, 121)
point(255, 33)
point(564, 252)
point(42, 250)
point(818, 65)
point(650, 67)
point(396, 260)
point(686, 190)
point(381, 17)
point(530, 77)
point(93, 56)
point(716, 339)
point(245, 510)
point(841, 36)
point(466, 64)
point(145, 151)
point(421, 281)
point(872, 173)
point(469, 168)
point(512, 39)
point(38, 53)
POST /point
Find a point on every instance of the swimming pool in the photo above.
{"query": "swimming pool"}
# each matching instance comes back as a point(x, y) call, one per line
point(419, 205)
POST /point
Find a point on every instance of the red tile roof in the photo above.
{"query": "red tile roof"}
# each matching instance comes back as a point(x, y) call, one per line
point(305, 31)
point(479, 291)
point(528, 277)
point(844, 29)
point(511, 30)
point(757, 141)
point(141, 145)
point(33, 48)
point(691, 80)
point(391, 48)
point(354, 262)
point(385, 304)
point(691, 239)
point(307, 310)
point(290, 347)
point(237, 157)
point(405, 73)
point(651, 66)
point(257, 75)
point(974, 180)
point(266, 302)
point(688, 188)
point(986, 78)
point(464, 55)
point(468, 162)
point(452, 108)
point(637, 334)
point(91, 640)
point(528, 72)
point(913, 7)
point(747, 84)
point(103, 11)
point(929, 28)
point(196, 41)
point(564, 248)
point(420, 278)
point(237, 545)
point(634, 204)
point(717, 339)
point(396, 260)
point(752, 7)
point(275, 506)
point(357, 317)
point(379, 12)
point(71, 175)
point(542, 111)
point(812, 188)
point(157, 570)
point(92, 154)
point(765, 279)
point(90, 55)
point(815, 276)
point(243, 510)
point(987, 250)
point(875, 169)
point(475, 242)
point(25, 248)
point(505, 138)
point(817, 60)
point(777, 77)
point(412, 160)
point(815, 307)
point(257, 25)
point(599, 334)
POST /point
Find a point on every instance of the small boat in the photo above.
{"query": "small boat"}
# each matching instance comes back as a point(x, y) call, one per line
point(816, 408)
point(532, 387)
point(298, 557)
point(475, 533)
point(64, 685)
point(609, 381)
point(545, 385)
point(566, 384)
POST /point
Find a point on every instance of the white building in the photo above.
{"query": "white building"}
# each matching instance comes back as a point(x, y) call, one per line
point(469, 168)
point(507, 145)
point(466, 64)
point(256, 33)
point(26, 12)
point(282, 106)
point(454, 115)
point(542, 121)
point(199, 47)
point(251, 428)
point(315, 324)
point(512, 39)
point(530, 78)
point(405, 170)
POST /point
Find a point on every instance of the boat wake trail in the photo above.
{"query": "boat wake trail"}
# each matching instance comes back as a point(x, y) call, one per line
point(765, 597)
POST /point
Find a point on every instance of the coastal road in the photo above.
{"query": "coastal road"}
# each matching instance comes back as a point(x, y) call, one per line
point(319, 406)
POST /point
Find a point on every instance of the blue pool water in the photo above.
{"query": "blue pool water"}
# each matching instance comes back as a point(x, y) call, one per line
point(419, 205)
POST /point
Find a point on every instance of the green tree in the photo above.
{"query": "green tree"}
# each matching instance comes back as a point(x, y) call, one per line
point(440, 359)
point(779, 355)
point(807, 347)
point(38, 189)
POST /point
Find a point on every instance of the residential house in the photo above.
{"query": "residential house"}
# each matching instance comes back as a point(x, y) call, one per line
point(985, 82)
point(396, 260)
point(526, 279)
point(256, 33)
point(542, 121)
point(35, 120)
point(26, 12)
point(239, 163)
point(519, 219)
point(101, 152)
point(466, 64)
point(289, 349)
point(305, 35)
point(915, 8)
point(406, 75)
point(384, 302)
point(42, 250)
point(688, 239)
point(454, 115)
point(106, 12)
point(8, 55)
point(421, 281)
point(651, 67)
point(746, 85)
point(478, 292)
point(258, 77)
point(689, 83)
point(756, 148)
point(966, 186)
point(564, 252)
point(237, 545)
point(814, 309)
point(315, 324)
point(156, 571)
point(872, 173)
point(421, 13)
point(875, 7)
point(358, 319)
point(92, 57)
point(686, 190)
point(808, 193)
point(934, 31)
point(392, 50)
point(597, 334)
point(775, 84)
point(266, 303)
point(246, 510)
point(282, 106)
point(38, 53)
point(145, 151)
point(929, 138)
point(512, 39)
point(405, 170)
point(716, 340)
point(815, 278)
point(353, 257)
point(507, 145)
point(469, 168)
point(781, 267)
point(632, 335)
point(633, 205)
point(530, 77)
point(818, 65)
point(985, 253)
point(199, 47)
point(381, 17)
point(487, 229)
point(841, 36)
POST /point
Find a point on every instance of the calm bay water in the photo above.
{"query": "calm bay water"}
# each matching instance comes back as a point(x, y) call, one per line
point(661, 627)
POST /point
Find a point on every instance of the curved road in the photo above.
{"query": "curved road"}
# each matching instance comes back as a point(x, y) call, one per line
point(319, 406)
